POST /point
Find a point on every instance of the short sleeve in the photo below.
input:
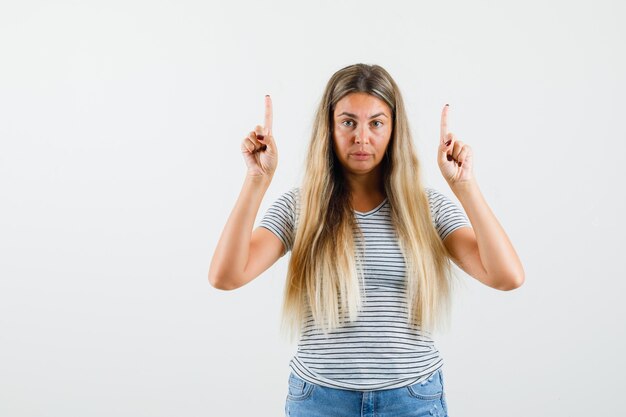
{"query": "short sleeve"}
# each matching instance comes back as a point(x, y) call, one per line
point(447, 215)
point(280, 218)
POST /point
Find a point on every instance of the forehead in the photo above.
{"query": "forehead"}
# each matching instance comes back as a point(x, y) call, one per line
point(361, 104)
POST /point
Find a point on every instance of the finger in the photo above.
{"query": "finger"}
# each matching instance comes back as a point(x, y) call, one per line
point(444, 150)
point(453, 147)
point(463, 155)
point(444, 125)
point(259, 132)
point(448, 147)
point(268, 115)
point(450, 139)
point(249, 145)
point(458, 148)
point(253, 138)
point(256, 138)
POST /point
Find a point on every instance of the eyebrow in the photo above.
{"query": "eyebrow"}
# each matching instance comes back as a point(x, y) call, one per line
point(354, 115)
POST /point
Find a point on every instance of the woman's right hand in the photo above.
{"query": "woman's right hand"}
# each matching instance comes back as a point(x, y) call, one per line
point(259, 149)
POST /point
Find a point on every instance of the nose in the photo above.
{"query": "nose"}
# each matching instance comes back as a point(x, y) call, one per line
point(360, 135)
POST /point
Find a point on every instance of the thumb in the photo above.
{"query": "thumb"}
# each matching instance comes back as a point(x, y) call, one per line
point(268, 142)
point(444, 147)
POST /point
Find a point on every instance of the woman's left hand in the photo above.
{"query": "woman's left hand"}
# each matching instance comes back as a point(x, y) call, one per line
point(455, 158)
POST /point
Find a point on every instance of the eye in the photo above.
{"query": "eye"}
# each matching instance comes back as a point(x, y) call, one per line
point(348, 123)
point(379, 123)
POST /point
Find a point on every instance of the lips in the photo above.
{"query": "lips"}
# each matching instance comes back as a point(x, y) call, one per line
point(361, 156)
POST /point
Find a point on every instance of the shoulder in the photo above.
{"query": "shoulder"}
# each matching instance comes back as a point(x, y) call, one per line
point(433, 194)
point(293, 197)
point(289, 197)
point(286, 205)
point(447, 215)
point(435, 198)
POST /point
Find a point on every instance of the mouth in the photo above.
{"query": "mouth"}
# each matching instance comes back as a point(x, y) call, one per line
point(360, 156)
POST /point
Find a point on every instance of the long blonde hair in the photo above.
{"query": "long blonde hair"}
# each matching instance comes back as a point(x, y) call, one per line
point(325, 272)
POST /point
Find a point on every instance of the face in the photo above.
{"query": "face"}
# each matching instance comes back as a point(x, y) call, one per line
point(362, 128)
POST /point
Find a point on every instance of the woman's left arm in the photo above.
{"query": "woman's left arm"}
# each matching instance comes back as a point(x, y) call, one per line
point(484, 251)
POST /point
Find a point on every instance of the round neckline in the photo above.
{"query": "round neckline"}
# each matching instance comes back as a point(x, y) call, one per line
point(372, 211)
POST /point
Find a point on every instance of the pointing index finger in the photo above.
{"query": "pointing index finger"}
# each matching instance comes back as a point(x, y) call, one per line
point(268, 115)
point(444, 124)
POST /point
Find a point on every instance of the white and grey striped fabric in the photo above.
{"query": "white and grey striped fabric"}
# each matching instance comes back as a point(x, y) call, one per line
point(379, 350)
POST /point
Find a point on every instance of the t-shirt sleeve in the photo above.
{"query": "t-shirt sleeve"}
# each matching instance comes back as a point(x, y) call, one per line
point(280, 218)
point(447, 215)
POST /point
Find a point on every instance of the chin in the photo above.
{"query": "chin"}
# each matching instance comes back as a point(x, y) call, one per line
point(367, 170)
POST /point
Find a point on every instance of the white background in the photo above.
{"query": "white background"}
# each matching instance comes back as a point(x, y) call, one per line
point(120, 130)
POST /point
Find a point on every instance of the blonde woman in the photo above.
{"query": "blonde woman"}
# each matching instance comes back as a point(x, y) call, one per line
point(369, 275)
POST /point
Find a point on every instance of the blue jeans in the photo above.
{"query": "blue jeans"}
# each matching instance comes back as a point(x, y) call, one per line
point(426, 398)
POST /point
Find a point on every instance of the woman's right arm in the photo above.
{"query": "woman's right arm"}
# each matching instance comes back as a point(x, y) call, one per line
point(241, 254)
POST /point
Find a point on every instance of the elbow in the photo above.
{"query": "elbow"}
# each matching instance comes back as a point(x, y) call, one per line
point(217, 279)
point(511, 283)
point(221, 284)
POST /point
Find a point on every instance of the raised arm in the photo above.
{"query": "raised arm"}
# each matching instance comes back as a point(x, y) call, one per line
point(484, 251)
point(241, 254)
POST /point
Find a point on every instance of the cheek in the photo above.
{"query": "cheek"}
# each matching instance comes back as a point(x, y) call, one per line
point(338, 140)
point(336, 145)
point(385, 136)
point(385, 133)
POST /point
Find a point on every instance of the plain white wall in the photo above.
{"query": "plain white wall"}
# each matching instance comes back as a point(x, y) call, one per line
point(120, 127)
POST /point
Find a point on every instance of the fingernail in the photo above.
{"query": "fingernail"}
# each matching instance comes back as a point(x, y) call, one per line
point(447, 104)
point(449, 142)
point(260, 137)
point(267, 95)
point(449, 157)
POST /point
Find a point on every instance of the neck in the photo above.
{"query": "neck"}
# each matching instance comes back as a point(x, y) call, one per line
point(369, 184)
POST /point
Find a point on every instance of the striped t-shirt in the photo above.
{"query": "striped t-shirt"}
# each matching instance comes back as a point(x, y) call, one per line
point(379, 350)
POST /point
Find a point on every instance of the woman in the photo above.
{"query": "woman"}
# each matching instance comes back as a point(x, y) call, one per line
point(369, 273)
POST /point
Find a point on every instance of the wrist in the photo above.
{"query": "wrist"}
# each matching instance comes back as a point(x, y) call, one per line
point(464, 187)
point(259, 179)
